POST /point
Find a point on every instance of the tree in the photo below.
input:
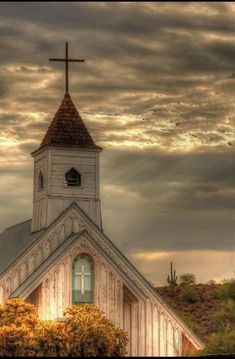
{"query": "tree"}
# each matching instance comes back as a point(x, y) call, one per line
point(188, 279)
point(84, 332)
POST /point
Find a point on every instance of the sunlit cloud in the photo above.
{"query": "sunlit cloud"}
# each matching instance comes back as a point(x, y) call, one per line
point(7, 142)
point(151, 256)
point(204, 269)
point(157, 92)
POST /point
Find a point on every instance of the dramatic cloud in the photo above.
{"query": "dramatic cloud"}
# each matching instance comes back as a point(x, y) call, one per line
point(157, 92)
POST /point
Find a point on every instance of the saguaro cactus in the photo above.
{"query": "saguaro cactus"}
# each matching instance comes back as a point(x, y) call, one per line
point(172, 280)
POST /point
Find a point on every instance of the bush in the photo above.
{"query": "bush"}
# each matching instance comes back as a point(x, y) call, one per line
point(187, 279)
point(91, 334)
point(52, 339)
point(16, 341)
point(18, 312)
point(226, 290)
point(186, 317)
point(221, 343)
point(189, 295)
point(211, 282)
point(224, 318)
point(84, 332)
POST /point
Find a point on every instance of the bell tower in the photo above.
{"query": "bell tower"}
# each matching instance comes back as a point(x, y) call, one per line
point(66, 166)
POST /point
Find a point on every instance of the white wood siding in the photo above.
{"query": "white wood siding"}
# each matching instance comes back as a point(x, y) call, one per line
point(56, 196)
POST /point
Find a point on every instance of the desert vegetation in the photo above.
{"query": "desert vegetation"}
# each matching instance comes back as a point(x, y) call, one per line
point(208, 309)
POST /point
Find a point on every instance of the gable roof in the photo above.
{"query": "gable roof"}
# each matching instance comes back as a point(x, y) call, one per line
point(45, 265)
point(67, 129)
point(13, 241)
point(116, 257)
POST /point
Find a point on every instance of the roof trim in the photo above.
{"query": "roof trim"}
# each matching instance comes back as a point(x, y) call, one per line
point(40, 150)
point(133, 268)
point(34, 277)
point(66, 244)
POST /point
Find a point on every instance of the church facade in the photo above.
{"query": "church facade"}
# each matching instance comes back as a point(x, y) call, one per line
point(62, 256)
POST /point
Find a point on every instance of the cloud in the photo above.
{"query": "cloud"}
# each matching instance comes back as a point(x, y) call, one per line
point(205, 269)
point(162, 202)
point(156, 91)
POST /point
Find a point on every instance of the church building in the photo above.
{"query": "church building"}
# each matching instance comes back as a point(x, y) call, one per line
point(62, 256)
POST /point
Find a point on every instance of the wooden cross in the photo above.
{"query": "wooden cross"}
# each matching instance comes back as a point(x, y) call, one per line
point(67, 60)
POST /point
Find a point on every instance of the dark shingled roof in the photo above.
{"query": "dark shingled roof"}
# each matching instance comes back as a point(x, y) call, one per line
point(67, 128)
point(13, 241)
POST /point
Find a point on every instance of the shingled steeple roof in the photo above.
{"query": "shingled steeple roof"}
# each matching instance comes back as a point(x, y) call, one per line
point(67, 129)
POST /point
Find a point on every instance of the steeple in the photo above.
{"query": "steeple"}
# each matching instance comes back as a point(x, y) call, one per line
point(66, 166)
point(67, 129)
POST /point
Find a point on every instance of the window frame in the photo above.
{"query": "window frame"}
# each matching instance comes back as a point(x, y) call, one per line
point(91, 261)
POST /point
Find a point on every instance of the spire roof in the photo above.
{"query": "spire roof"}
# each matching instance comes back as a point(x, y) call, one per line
point(67, 129)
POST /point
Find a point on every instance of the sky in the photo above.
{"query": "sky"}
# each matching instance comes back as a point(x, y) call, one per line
point(157, 92)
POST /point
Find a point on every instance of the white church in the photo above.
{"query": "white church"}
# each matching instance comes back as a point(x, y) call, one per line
point(62, 256)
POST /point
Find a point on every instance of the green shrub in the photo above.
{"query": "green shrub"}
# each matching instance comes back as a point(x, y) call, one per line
point(226, 290)
point(211, 282)
point(221, 342)
point(224, 318)
point(187, 319)
point(189, 294)
point(187, 279)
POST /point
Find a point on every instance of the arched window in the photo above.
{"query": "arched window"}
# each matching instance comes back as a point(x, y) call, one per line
point(40, 181)
point(82, 279)
point(72, 178)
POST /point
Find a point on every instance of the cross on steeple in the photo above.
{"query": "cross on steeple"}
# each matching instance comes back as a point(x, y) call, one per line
point(67, 60)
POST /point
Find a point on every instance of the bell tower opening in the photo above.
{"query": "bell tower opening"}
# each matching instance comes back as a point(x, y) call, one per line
point(73, 178)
